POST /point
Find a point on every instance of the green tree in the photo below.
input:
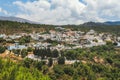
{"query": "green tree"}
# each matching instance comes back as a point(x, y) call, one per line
point(50, 62)
point(68, 70)
point(24, 53)
point(55, 53)
point(2, 49)
point(58, 71)
point(2, 40)
point(25, 39)
point(29, 49)
point(27, 62)
point(61, 60)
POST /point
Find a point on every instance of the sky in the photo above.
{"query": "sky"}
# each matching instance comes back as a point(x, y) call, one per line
point(62, 11)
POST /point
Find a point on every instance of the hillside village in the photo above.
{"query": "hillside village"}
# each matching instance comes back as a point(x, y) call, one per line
point(58, 39)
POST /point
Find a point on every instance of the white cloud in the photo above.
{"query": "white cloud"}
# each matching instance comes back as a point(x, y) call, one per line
point(3, 11)
point(104, 9)
point(69, 11)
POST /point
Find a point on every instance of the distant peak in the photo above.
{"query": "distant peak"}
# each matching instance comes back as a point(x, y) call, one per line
point(17, 19)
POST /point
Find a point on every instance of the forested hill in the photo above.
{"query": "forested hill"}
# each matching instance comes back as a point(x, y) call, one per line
point(10, 27)
point(110, 27)
point(15, 71)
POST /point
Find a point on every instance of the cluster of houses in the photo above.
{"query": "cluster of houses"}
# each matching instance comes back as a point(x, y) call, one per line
point(66, 38)
point(78, 39)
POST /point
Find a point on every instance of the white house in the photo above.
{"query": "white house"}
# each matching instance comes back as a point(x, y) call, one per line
point(16, 46)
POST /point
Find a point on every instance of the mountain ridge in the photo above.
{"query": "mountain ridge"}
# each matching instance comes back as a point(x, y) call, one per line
point(112, 22)
point(17, 19)
point(89, 24)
